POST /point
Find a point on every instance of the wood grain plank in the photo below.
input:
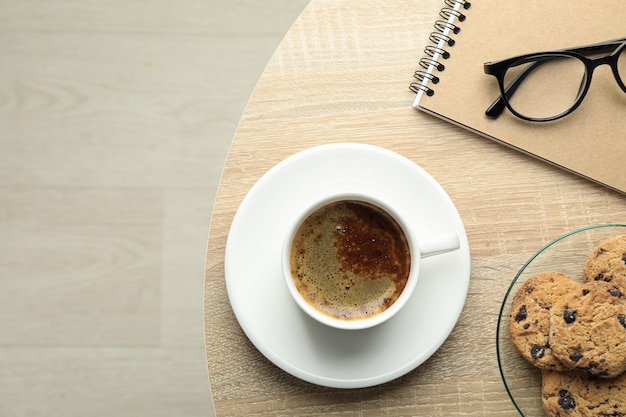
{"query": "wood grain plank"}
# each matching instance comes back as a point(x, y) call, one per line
point(116, 119)
point(102, 381)
point(75, 274)
point(186, 221)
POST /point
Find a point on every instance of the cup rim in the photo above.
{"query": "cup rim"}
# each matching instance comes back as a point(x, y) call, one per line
point(356, 324)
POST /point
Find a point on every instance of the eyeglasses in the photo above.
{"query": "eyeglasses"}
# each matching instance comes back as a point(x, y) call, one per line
point(546, 86)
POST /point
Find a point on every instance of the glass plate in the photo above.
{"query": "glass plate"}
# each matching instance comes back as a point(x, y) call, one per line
point(566, 254)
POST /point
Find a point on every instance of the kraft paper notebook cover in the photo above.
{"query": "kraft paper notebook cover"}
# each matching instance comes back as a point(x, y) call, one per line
point(591, 141)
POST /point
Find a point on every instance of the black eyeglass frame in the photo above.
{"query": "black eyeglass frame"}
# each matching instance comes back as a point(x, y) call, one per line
point(499, 68)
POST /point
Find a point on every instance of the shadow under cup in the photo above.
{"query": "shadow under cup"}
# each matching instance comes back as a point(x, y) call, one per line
point(349, 261)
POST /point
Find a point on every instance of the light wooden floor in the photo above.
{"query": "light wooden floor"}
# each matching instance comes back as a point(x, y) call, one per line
point(115, 119)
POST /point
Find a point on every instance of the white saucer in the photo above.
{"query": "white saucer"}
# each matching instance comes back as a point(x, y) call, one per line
point(281, 330)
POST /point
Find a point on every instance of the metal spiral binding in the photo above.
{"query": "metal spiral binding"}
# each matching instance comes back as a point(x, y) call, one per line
point(452, 3)
point(442, 37)
point(442, 26)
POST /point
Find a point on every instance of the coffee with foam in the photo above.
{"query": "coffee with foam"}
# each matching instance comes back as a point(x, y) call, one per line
point(350, 260)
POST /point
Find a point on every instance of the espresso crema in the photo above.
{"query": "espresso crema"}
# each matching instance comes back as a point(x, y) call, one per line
point(350, 260)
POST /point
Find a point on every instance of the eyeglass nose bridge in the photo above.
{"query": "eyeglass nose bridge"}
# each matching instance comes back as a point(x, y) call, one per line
point(611, 60)
point(593, 63)
point(615, 58)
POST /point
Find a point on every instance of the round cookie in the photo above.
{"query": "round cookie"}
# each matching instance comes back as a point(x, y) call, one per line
point(575, 394)
point(529, 321)
point(588, 329)
point(607, 262)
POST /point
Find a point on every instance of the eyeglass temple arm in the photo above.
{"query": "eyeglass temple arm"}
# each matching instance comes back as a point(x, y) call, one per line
point(497, 107)
point(596, 47)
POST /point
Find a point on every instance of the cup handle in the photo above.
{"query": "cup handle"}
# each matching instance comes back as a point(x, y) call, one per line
point(438, 244)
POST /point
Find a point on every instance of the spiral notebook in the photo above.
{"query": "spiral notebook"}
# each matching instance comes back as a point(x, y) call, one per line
point(590, 142)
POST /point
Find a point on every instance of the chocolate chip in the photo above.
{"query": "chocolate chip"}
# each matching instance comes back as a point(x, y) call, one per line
point(585, 292)
point(575, 357)
point(624, 258)
point(521, 314)
point(569, 316)
point(615, 292)
point(599, 277)
point(622, 319)
point(537, 351)
point(526, 326)
point(566, 401)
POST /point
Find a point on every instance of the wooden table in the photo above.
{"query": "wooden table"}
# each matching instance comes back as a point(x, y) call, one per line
point(342, 74)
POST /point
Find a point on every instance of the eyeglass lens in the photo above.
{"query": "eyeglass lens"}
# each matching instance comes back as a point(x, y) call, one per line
point(550, 84)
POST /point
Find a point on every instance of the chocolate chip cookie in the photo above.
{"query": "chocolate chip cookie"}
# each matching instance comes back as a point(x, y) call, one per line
point(607, 262)
point(529, 321)
point(588, 329)
point(575, 394)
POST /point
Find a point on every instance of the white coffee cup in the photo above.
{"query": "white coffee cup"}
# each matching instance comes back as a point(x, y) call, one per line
point(420, 246)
